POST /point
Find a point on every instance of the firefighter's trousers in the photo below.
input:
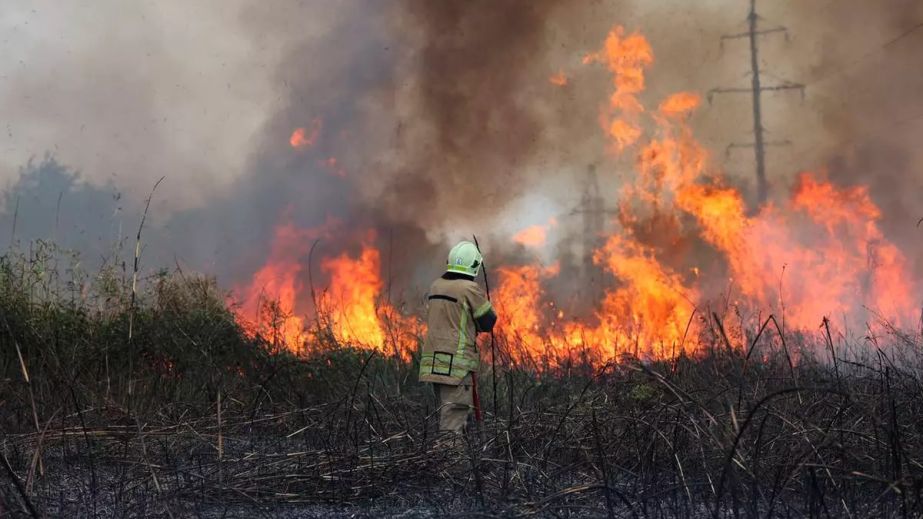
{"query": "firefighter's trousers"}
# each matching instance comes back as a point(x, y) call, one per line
point(455, 405)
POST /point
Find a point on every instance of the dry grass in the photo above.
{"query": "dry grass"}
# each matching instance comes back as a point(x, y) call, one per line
point(344, 430)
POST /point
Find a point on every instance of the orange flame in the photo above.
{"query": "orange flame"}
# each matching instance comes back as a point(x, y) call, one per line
point(353, 308)
point(269, 305)
point(627, 58)
point(349, 310)
point(301, 138)
point(835, 259)
point(350, 300)
point(559, 79)
point(825, 240)
point(818, 253)
point(518, 300)
point(534, 235)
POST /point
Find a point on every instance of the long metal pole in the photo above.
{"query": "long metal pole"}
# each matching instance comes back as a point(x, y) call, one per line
point(493, 346)
point(762, 188)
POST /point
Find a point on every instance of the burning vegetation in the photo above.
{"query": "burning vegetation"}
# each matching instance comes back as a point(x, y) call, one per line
point(817, 254)
point(687, 353)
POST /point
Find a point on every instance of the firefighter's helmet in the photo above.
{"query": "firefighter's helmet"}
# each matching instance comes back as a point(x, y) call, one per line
point(464, 258)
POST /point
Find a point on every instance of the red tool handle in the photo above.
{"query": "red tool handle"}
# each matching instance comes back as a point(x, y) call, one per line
point(476, 397)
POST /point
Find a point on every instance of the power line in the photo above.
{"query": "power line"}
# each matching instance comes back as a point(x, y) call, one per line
point(903, 35)
point(874, 51)
point(871, 131)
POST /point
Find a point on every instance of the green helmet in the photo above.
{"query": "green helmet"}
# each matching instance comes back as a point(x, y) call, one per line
point(464, 258)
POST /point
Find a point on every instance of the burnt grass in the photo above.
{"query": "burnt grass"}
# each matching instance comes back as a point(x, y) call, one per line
point(159, 405)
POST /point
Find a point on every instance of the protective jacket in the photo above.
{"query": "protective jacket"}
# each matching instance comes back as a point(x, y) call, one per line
point(457, 310)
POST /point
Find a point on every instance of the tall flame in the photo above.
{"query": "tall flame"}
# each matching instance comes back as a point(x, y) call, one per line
point(626, 57)
point(350, 300)
point(270, 302)
point(819, 253)
point(349, 309)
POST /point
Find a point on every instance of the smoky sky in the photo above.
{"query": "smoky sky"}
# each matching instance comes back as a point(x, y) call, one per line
point(432, 115)
point(436, 119)
point(475, 71)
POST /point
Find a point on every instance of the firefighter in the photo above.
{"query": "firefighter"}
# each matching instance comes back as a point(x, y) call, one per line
point(457, 310)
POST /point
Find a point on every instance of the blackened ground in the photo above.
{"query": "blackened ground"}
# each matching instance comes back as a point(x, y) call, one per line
point(758, 440)
point(107, 426)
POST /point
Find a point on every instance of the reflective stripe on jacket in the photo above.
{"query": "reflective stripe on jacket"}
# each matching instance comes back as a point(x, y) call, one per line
point(449, 351)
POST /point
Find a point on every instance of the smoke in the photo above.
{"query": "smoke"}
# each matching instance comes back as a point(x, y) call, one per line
point(129, 92)
point(437, 116)
point(436, 119)
point(477, 91)
point(865, 95)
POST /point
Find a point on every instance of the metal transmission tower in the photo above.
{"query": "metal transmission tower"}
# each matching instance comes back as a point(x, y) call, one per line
point(755, 90)
point(591, 205)
point(593, 210)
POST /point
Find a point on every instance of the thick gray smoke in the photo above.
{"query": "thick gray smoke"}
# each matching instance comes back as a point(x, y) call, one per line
point(433, 119)
point(866, 96)
point(438, 115)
